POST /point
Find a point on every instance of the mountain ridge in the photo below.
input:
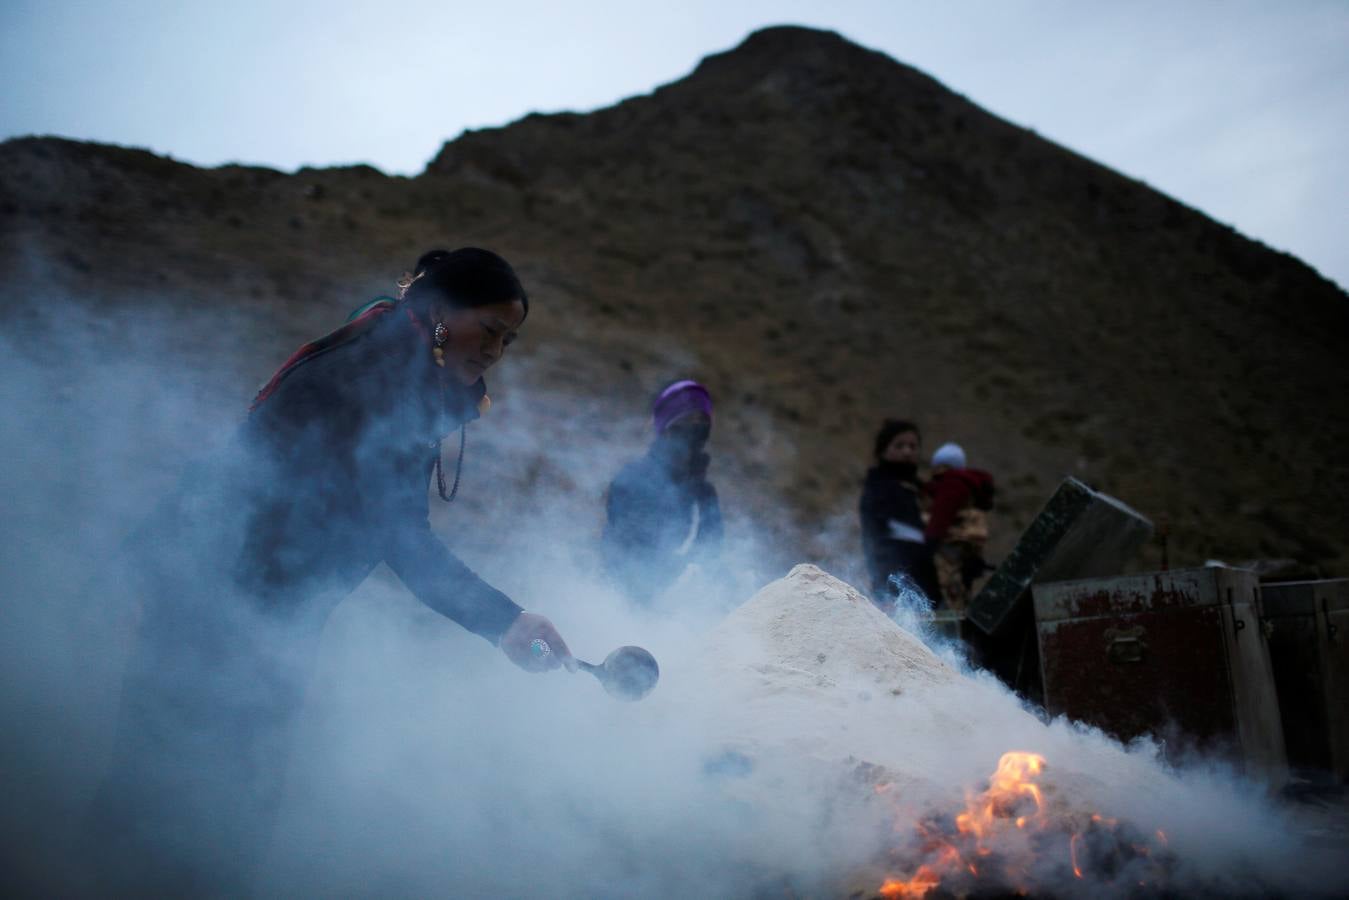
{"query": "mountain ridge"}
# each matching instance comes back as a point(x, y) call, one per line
point(826, 236)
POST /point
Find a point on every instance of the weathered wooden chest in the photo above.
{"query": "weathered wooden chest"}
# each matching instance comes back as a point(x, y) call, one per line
point(1179, 655)
point(1080, 533)
point(1309, 650)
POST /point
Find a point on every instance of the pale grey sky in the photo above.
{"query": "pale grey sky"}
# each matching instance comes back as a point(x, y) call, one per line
point(1239, 108)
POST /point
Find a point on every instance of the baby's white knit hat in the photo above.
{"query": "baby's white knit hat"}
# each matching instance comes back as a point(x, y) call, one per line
point(949, 455)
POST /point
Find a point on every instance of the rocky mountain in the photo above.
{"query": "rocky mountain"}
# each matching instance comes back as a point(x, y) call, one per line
point(825, 236)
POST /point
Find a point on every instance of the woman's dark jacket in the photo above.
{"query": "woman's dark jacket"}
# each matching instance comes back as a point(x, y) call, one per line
point(234, 576)
point(892, 528)
point(342, 454)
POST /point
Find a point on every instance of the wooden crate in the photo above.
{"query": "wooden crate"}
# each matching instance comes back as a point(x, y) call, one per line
point(1080, 533)
point(1179, 655)
point(1309, 650)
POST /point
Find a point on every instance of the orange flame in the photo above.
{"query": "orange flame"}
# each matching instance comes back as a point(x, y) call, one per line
point(1013, 800)
point(1010, 791)
point(917, 886)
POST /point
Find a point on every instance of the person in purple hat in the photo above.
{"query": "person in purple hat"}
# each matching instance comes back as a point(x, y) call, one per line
point(662, 511)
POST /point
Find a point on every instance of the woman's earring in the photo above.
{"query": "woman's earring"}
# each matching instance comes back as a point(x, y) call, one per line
point(439, 336)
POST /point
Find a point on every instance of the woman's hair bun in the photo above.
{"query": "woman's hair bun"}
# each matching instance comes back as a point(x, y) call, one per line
point(429, 259)
point(469, 276)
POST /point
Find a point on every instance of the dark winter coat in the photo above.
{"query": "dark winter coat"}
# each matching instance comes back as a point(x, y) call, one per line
point(344, 451)
point(892, 529)
point(234, 576)
point(659, 521)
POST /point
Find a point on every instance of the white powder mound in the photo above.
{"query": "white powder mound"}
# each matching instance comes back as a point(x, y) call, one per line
point(813, 629)
point(810, 670)
point(810, 664)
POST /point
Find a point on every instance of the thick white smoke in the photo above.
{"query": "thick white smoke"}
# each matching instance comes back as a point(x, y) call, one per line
point(423, 763)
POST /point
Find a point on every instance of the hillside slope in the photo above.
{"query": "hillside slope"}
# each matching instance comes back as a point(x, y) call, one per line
point(827, 237)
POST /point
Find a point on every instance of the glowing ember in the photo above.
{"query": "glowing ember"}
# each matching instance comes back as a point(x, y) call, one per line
point(920, 884)
point(1006, 838)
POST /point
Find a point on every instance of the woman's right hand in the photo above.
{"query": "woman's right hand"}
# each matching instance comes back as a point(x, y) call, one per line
point(533, 644)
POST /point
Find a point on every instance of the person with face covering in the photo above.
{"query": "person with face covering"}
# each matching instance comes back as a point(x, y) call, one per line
point(662, 512)
point(235, 574)
point(891, 514)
